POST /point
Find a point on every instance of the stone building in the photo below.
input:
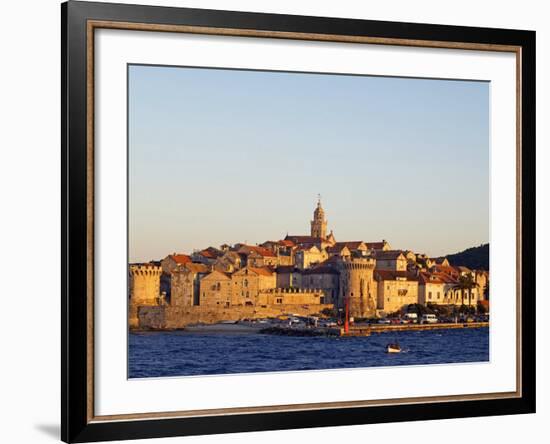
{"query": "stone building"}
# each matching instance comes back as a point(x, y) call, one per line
point(338, 250)
point(410, 256)
point(170, 262)
point(291, 296)
point(144, 284)
point(443, 261)
point(396, 290)
point(447, 269)
point(215, 289)
point(230, 262)
point(481, 278)
point(435, 288)
point(208, 256)
point(283, 249)
point(288, 276)
point(391, 260)
point(378, 246)
point(248, 282)
point(306, 256)
point(325, 278)
point(348, 247)
point(185, 284)
point(462, 296)
point(446, 289)
point(258, 256)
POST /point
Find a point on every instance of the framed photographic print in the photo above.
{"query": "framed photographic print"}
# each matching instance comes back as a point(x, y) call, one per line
point(275, 221)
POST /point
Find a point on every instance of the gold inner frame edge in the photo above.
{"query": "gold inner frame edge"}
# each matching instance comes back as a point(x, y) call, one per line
point(98, 24)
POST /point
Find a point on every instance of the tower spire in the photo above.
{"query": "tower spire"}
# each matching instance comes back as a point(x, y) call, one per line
point(319, 224)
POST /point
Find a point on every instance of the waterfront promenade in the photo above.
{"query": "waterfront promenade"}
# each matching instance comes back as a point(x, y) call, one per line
point(367, 330)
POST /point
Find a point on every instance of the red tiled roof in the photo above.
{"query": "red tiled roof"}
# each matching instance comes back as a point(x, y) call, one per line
point(303, 239)
point(180, 258)
point(286, 243)
point(264, 271)
point(208, 254)
point(436, 278)
point(443, 269)
point(247, 249)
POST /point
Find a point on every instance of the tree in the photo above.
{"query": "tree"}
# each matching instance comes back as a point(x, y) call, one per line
point(466, 283)
point(481, 309)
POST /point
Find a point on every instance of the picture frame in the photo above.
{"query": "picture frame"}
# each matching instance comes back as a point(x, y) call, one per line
point(80, 20)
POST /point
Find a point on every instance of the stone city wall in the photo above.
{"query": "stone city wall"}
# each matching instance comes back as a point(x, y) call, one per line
point(168, 317)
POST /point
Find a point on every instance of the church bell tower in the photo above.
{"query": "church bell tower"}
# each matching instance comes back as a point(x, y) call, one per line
point(319, 224)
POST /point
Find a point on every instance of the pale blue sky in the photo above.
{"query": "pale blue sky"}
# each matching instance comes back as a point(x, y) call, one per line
point(232, 156)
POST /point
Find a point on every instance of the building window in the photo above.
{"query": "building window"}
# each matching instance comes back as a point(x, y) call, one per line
point(429, 295)
point(246, 282)
point(279, 300)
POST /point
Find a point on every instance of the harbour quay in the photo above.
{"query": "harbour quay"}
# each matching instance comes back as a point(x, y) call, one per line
point(357, 331)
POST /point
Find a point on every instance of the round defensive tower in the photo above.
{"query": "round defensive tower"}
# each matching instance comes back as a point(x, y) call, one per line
point(145, 284)
point(357, 285)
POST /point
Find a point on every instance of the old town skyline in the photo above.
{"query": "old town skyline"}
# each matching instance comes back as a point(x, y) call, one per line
point(400, 159)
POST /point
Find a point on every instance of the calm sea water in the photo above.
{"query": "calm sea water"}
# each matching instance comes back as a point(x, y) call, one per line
point(159, 354)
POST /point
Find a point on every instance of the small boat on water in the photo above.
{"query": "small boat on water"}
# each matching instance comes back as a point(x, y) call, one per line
point(393, 347)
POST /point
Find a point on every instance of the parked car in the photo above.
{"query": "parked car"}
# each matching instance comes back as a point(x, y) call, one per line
point(429, 319)
point(384, 321)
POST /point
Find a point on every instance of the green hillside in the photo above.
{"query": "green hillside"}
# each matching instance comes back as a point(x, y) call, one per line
point(475, 258)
